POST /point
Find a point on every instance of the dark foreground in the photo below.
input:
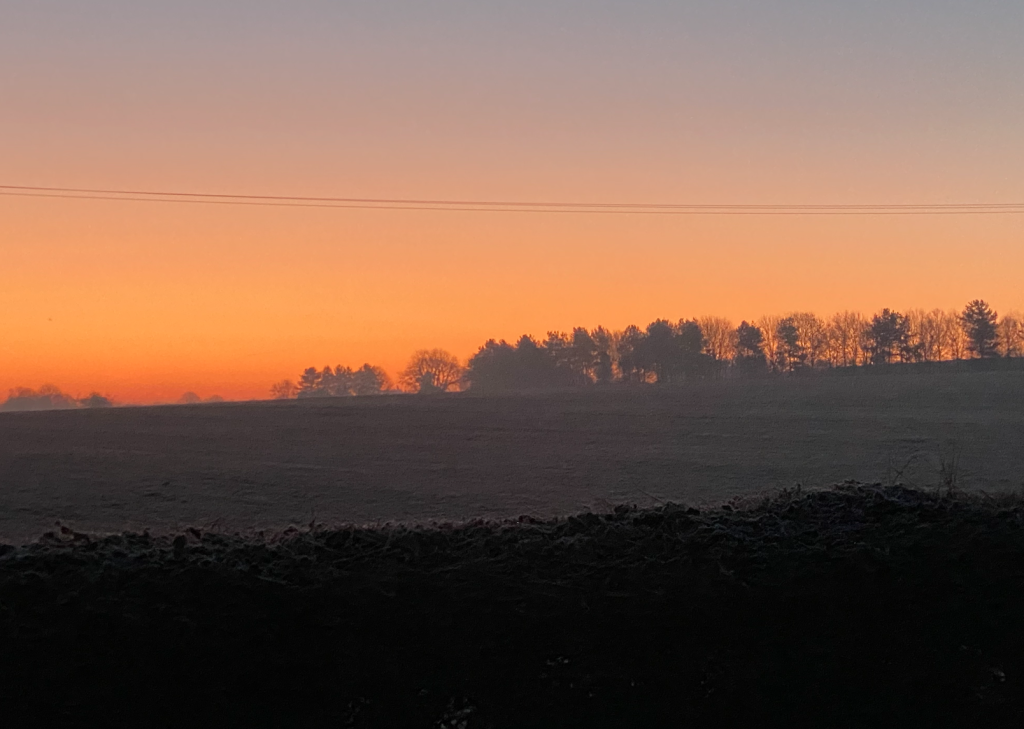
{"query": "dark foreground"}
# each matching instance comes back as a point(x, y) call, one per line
point(856, 607)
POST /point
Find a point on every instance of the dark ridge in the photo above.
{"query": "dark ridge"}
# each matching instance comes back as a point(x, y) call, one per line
point(860, 606)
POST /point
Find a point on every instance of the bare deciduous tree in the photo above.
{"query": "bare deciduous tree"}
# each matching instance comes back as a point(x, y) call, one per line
point(1011, 335)
point(719, 337)
point(846, 332)
point(954, 340)
point(284, 390)
point(769, 326)
point(926, 331)
point(813, 337)
point(432, 369)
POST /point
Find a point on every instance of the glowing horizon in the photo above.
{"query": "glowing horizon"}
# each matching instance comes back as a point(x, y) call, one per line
point(743, 103)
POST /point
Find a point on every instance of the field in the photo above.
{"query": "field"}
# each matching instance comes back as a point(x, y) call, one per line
point(266, 465)
point(858, 605)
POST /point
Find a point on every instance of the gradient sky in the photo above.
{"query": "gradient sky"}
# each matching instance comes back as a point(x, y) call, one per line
point(754, 101)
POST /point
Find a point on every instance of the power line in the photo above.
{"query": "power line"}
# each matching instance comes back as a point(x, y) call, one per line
point(577, 211)
point(502, 206)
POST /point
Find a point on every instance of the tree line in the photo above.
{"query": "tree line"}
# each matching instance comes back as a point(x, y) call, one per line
point(666, 351)
point(50, 397)
point(334, 382)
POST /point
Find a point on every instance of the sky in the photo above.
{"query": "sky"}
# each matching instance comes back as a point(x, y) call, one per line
point(647, 101)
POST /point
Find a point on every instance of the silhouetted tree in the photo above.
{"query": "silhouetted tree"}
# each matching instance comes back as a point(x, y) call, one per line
point(979, 322)
point(659, 351)
point(493, 367)
point(369, 380)
point(749, 341)
point(310, 384)
point(337, 382)
point(582, 357)
point(535, 366)
point(327, 385)
point(558, 348)
point(719, 338)
point(750, 358)
point(888, 338)
point(437, 369)
point(769, 326)
point(791, 353)
point(283, 390)
point(1011, 335)
point(603, 370)
point(693, 360)
point(498, 366)
point(630, 348)
point(189, 398)
point(812, 338)
point(846, 333)
point(953, 336)
point(926, 334)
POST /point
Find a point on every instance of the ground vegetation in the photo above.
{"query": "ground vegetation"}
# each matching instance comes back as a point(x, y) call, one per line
point(857, 606)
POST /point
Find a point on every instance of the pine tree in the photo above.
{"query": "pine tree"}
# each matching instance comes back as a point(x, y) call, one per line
point(979, 323)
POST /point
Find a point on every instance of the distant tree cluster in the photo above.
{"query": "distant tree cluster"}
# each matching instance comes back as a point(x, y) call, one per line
point(668, 351)
point(49, 397)
point(334, 382)
point(664, 352)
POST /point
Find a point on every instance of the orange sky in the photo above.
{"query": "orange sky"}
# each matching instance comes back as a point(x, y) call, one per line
point(144, 301)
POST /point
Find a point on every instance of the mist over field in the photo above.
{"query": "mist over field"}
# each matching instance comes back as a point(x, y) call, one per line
point(247, 466)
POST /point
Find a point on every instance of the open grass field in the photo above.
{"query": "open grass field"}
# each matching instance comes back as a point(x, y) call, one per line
point(266, 465)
